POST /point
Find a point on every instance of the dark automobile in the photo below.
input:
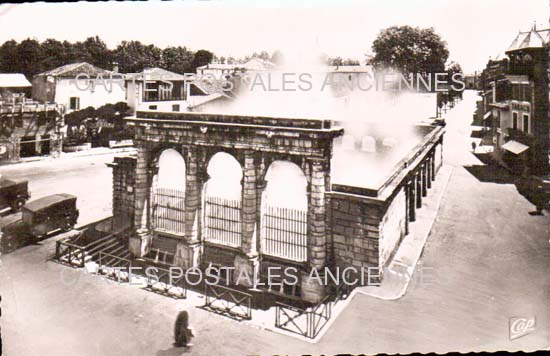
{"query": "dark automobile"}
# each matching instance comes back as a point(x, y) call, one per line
point(44, 215)
point(13, 194)
point(37, 219)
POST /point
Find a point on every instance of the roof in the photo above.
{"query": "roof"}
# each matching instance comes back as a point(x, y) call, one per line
point(515, 147)
point(155, 74)
point(74, 69)
point(530, 39)
point(10, 219)
point(252, 64)
point(351, 69)
point(258, 64)
point(13, 80)
point(4, 183)
point(205, 99)
point(44, 202)
point(220, 66)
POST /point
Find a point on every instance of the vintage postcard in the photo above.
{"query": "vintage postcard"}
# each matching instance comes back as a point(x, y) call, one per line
point(244, 178)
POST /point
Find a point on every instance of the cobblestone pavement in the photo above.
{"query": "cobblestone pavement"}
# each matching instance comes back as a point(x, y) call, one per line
point(486, 260)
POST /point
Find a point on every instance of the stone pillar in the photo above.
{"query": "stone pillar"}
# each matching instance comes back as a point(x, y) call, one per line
point(418, 183)
point(411, 194)
point(249, 206)
point(424, 180)
point(429, 172)
point(193, 193)
point(189, 250)
point(250, 263)
point(38, 144)
point(139, 244)
point(311, 290)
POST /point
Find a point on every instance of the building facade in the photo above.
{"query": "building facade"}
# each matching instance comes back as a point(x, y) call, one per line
point(77, 86)
point(517, 102)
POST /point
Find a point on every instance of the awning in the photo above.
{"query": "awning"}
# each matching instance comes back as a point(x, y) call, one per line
point(515, 147)
point(487, 115)
point(13, 80)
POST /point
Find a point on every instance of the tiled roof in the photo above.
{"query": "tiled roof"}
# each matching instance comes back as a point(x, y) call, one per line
point(13, 80)
point(74, 69)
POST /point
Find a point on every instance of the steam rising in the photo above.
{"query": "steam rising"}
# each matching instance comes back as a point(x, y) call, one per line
point(314, 90)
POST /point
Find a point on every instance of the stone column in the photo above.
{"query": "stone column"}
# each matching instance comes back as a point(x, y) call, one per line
point(424, 180)
point(429, 172)
point(189, 250)
point(411, 186)
point(418, 183)
point(311, 290)
point(249, 206)
point(249, 264)
point(139, 245)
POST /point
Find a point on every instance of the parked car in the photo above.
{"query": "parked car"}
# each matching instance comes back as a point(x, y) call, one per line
point(37, 219)
point(13, 194)
point(53, 212)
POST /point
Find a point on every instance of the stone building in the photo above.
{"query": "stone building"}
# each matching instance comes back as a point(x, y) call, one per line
point(180, 219)
point(27, 127)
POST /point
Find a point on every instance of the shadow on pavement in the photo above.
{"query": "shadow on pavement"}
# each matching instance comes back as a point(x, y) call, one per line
point(529, 187)
point(174, 351)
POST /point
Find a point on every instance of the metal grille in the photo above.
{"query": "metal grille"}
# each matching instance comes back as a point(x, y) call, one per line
point(284, 233)
point(168, 213)
point(223, 221)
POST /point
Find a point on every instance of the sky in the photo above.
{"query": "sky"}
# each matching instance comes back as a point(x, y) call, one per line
point(474, 30)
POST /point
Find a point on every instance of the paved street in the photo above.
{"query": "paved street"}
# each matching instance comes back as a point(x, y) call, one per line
point(488, 260)
point(86, 177)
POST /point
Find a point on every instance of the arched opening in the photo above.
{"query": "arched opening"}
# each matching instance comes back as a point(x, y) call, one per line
point(222, 201)
point(368, 144)
point(168, 194)
point(284, 212)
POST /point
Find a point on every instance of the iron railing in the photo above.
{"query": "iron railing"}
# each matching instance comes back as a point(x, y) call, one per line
point(307, 322)
point(228, 301)
point(163, 280)
point(70, 253)
point(168, 213)
point(284, 233)
point(222, 219)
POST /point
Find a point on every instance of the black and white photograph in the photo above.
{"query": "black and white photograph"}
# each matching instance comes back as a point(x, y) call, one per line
point(278, 177)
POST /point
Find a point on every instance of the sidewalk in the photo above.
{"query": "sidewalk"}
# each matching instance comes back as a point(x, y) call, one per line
point(400, 271)
point(96, 151)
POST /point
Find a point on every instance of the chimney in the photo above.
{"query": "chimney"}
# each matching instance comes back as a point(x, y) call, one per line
point(115, 67)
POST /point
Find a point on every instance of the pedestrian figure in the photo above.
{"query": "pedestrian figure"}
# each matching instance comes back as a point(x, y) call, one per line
point(473, 146)
point(182, 331)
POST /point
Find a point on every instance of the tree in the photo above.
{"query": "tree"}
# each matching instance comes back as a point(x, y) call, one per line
point(202, 57)
point(97, 52)
point(410, 50)
point(177, 59)
point(30, 56)
point(8, 57)
point(133, 56)
point(277, 57)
